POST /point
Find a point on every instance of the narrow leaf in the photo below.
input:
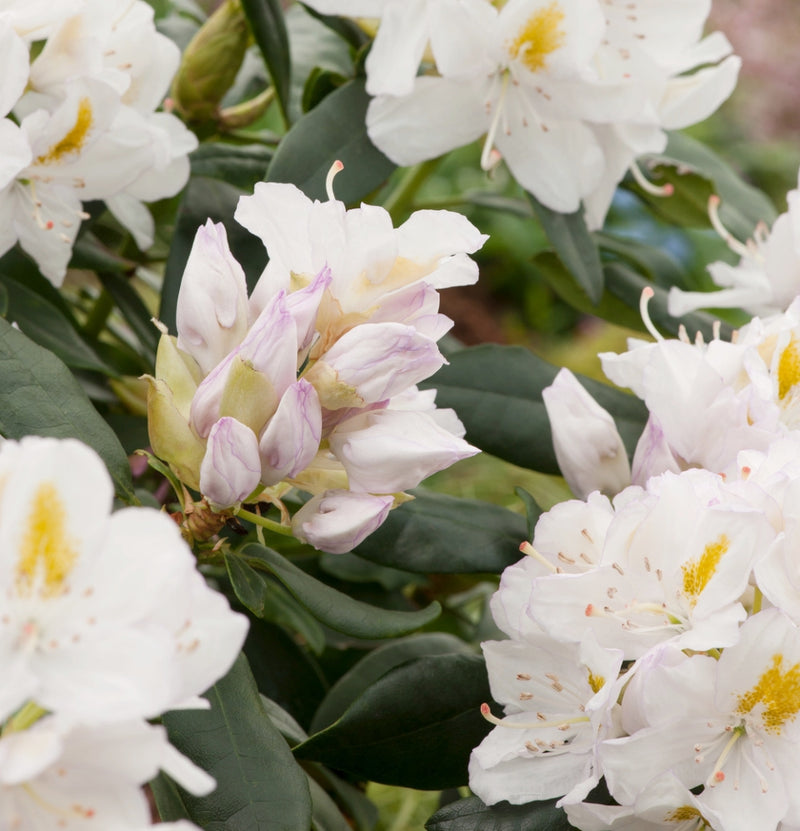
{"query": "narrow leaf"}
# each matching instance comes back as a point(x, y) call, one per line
point(269, 30)
point(574, 245)
point(39, 396)
point(472, 815)
point(437, 533)
point(259, 785)
point(240, 165)
point(334, 130)
point(414, 727)
point(332, 607)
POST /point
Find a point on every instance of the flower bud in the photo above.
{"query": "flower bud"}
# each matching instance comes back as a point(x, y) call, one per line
point(588, 447)
point(373, 362)
point(387, 451)
point(291, 439)
point(231, 468)
point(211, 62)
point(337, 521)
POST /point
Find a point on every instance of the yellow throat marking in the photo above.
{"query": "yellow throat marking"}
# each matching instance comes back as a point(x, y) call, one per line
point(778, 691)
point(683, 814)
point(541, 35)
point(47, 555)
point(73, 141)
point(788, 369)
point(698, 573)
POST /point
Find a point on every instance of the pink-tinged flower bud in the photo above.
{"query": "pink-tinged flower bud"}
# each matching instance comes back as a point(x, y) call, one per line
point(212, 301)
point(231, 468)
point(373, 362)
point(388, 451)
point(337, 521)
point(291, 439)
point(653, 454)
point(588, 447)
point(303, 306)
point(250, 381)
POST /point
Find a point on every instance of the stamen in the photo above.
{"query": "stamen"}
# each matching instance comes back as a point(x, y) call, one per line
point(647, 295)
point(559, 724)
point(336, 167)
point(717, 775)
point(487, 162)
point(530, 551)
point(646, 185)
point(716, 223)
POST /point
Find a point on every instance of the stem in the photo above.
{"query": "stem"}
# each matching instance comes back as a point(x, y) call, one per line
point(98, 316)
point(262, 521)
point(402, 197)
point(29, 714)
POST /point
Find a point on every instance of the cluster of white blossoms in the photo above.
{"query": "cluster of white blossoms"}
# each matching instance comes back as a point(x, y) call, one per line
point(568, 92)
point(105, 623)
point(311, 381)
point(653, 637)
point(79, 87)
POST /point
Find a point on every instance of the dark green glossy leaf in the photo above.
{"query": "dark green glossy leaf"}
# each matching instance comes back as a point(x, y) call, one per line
point(207, 198)
point(437, 533)
point(39, 396)
point(354, 569)
point(320, 83)
point(377, 663)
point(574, 245)
point(269, 29)
point(133, 309)
point(335, 130)
point(259, 785)
point(89, 253)
point(344, 27)
point(414, 727)
point(532, 509)
point(362, 812)
point(332, 607)
point(497, 393)
point(626, 284)
point(44, 323)
point(695, 172)
point(169, 799)
point(472, 815)
point(239, 165)
point(325, 815)
point(268, 600)
point(3, 301)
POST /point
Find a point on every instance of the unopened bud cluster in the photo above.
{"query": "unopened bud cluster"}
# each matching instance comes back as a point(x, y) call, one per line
point(310, 382)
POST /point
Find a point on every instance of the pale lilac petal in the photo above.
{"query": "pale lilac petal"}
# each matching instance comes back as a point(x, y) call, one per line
point(230, 470)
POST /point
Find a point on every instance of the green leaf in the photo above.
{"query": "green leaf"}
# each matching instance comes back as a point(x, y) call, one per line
point(269, 29)
point(39, 396)
point(90, 254)
point(133, 309)
point(532, 509)
point(44, 323)
point(574, 245)
point(259, 785)
point(343, 26)
point(332, 607)
point(334, 130)
point(472, 815)
point(497, 393)
point(626, 284)
point(437, 533)
point(695, 172)
point(240, 165)
point(169, 800)
point(414, 727)
point(324, 813)
point(268, 600)
point(377, 663)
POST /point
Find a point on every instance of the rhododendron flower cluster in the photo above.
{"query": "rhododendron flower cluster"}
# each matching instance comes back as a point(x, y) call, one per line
point(568, 92)
point(81, 123)
point(311, 381)
point(105, 623)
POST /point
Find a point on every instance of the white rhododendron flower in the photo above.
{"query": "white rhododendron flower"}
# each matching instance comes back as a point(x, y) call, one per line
point(588, 447)
point(57, 775)
point(767, 277)
point(569, 92)
point(88, 129)
point(105, 616)
point(311, 381)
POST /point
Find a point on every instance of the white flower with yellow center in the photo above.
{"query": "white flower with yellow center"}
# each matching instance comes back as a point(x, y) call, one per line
point(104, 617)
point(729, 725)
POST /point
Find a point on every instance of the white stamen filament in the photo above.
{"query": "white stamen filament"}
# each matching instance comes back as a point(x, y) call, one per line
point(336, 167)
point(647, 294)
point(527, 549)
point(646, 185)
point(717, 775)
point(716, 223)
point(561, 724)
point(487, 161)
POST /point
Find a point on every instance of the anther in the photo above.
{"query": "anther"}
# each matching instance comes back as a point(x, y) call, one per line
point(336, 167)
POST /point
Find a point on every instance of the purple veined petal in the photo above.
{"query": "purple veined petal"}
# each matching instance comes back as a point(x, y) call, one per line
point(291, 439)
point(303, 305)
point(231, 468)
point(337, 521)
